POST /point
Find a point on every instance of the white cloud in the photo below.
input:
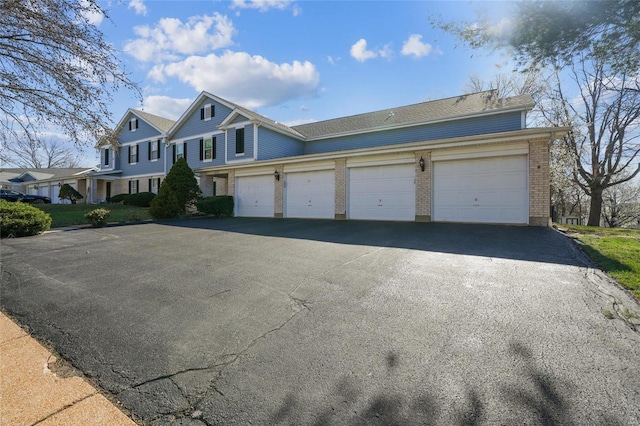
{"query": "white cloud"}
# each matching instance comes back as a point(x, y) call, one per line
point(360, 53)
point(171, 37)
point(261, 5)
point(139, 7)
point(413, 46)
point(92, 13)
point(165, 106)
point(333, 60)
point(251, 81)
point(501, 29)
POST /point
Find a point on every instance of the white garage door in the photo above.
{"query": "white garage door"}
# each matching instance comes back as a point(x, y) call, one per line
point(55, 191)
point(44, 191)
point(310, 194)
point(255, 196)
point(382, 192)
point(485, 190)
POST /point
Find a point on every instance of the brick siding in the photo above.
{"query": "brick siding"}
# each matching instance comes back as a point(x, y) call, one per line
point(539, 190)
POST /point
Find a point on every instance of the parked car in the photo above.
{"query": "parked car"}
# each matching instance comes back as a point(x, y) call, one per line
point(11, 195)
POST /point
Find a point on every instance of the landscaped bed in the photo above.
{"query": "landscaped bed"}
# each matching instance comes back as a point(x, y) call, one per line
point(614, 250)
point(73, 214)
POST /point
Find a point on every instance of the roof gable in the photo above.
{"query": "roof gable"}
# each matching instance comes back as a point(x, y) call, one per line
point(161, 124)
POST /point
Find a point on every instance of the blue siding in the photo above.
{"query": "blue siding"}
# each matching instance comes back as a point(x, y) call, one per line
point(239, 119)
point(193, 152)
point(194, 126)
point(144, 165)
point(276, 145)
point(458, 128)
point(248, 143)
point(144, 131)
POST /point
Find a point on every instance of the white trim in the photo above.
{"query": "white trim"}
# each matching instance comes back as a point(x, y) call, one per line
point(310, 167)
point(240, 154)
point(259, 172)
point(198, 136)
point(409, 158)
point(240, 124)
point(523, 120)
point(255, 139)
point(547, 133)
point(151, 139)
point(226, 150)
point(242, 160)
point(144, 175)
point(232, 116)
point(481, 152)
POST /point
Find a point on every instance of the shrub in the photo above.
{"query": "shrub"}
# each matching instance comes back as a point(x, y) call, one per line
point(165, 205)
point(118, 198)
point(178, 192)
point(67, 192)
point(221, 205)
point(98, 217)
point(141, 199)
point(22, 220)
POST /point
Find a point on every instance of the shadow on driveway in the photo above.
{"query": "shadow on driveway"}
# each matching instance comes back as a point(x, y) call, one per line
point(508, 242)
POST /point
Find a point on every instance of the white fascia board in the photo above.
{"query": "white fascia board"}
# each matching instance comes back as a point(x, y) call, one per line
point(145, 175)
point(420, 123)
point(203, 95)
point(232, 116)
point(125, 119)
point(546, 133)
point(197, 136)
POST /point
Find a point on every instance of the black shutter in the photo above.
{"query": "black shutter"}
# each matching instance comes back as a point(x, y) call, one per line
point(150, 184)
point(149, 145)
point(159, 145)
point(174, 153)
point(129, 125)
point(129, 187)
point(240, 141)
point(213, 110)
point(136, 123)
point(201, 113)
point(137, 186)
point(129, 153)
point(201, 149)
point(184, 151)
point(213, 147)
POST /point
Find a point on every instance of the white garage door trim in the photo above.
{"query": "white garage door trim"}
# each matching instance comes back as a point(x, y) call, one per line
point(382, 192)
point(310, 194)
point(255, 196)
point(481, 190)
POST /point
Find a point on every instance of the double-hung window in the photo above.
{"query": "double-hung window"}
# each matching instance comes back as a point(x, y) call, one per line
point(207, 149)
point(240, 141)
point(179, 151)
point(133, 124)
point(154, 150)
point(133, 187)
point(207, 111)
point(133, 154)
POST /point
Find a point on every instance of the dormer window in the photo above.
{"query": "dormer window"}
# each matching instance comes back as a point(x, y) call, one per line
point(207, 111)
point(133, 124)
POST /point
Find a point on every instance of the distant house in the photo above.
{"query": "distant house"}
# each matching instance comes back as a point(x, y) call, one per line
point(47, 182)
point(468, 158)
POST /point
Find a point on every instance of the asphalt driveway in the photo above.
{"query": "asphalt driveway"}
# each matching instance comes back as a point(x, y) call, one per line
point(249, 321)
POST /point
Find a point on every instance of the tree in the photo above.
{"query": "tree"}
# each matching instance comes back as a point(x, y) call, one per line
point(605, 118)
point(553, 32)
point(180, 184)
point(56, 70)
point(621, 205)
point(67, 192)
point(35, 154)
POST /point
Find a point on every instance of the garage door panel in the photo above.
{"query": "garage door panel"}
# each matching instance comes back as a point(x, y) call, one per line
point(255, 196)
point(310, 194)
point(382, 193)
point(487, 190)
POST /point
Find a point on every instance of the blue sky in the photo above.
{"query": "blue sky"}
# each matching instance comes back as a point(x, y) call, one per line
point(294, 61)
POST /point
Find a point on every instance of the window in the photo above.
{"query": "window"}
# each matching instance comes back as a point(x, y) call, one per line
point(106, 156)
point(240, 141)
point(154, 185)
point(133, 154)
point(154, 150)
point(133, 187)
point(207, 149)
point(207, 111)
point(133, 124)
point(179, 151)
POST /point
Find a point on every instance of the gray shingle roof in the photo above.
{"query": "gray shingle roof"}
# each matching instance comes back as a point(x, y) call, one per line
point(41, 174)
point(164, 124)
point(442, 109)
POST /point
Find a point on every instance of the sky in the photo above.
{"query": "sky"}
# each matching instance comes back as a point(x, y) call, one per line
point(293, 61)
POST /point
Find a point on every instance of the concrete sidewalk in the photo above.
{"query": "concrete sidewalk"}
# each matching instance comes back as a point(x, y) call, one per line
point(36, 388)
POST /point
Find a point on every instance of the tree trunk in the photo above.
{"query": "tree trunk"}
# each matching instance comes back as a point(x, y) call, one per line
point(596, 208)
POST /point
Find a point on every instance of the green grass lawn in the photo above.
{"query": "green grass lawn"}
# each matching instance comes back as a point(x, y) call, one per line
point(73, 214)
point(616, 251)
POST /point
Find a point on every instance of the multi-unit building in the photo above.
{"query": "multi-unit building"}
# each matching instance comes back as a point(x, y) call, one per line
point(469, 158)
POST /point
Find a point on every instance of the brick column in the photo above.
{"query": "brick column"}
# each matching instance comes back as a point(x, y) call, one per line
point(279, 193)
point(539, 190)
point(231, 184)
point(423, 187)
point(341, 189)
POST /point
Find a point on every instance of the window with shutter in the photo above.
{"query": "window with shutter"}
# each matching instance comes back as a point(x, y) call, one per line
point(240, 141)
